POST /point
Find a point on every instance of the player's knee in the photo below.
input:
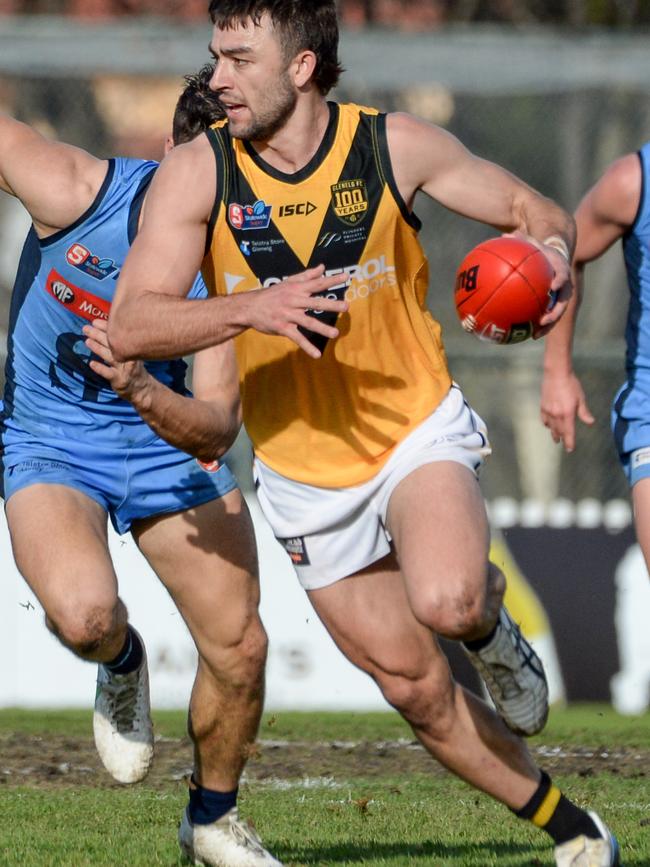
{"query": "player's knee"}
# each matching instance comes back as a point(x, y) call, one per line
point(239, 666)
point(252, 651)
point(453, 615)
point(84, 630)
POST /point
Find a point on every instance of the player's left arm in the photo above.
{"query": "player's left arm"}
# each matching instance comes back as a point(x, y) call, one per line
point(205, 425)
point(428, 158)
point(605, 213)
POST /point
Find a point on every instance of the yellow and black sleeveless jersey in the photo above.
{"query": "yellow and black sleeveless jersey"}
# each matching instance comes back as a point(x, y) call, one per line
point(333, 421)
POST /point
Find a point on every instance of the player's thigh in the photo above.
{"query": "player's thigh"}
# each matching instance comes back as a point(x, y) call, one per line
point(437, 519)
point(59, 541)
point(206, 558)
point(369, 617)
point(641, 503)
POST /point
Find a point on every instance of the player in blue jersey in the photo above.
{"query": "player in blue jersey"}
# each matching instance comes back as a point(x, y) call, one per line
point(616, 208)
point(72, 447)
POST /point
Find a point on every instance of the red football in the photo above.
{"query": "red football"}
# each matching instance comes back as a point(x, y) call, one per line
point(503, 289)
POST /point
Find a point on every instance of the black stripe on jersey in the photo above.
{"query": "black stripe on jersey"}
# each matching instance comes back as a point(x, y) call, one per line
point(136, 205)
point(51, 239)
point(303, 173)
point(639, 211)
point(361, 163)
point(28, 266)
point(386, 168)
point(236, 189)
point(222, 193)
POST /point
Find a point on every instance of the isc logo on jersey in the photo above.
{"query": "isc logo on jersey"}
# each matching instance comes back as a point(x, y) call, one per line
point(302, 209)
point(359, 281)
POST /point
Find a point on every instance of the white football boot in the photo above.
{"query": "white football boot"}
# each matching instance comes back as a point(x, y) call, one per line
point(228, 842)
point(585, 852)
point(514, 677)
point(122, 722)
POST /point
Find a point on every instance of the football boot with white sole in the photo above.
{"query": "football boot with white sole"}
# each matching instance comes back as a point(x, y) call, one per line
point(587, 852)
point(514, 677)
point(122, 722)
point(228, 842)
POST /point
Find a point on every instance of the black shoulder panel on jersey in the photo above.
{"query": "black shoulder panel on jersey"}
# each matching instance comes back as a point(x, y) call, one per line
point(384, 160)
point(639, 211)
point(220, 143)
point(136, 206)
point(28, 267)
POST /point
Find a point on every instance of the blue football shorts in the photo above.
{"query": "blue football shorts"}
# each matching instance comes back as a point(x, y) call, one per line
point(147, 479)
point(631, 428)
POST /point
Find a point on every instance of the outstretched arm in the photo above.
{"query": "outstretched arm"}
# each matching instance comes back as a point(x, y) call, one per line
point(428, 158)
point(150, 317)
point(55, 182)
point(205, 425)
point(603, 216)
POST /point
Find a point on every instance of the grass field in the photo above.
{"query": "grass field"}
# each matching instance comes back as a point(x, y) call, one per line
point(323, 789)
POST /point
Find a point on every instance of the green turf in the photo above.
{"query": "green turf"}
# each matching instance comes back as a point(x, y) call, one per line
point(589, 724)
point(419, 820)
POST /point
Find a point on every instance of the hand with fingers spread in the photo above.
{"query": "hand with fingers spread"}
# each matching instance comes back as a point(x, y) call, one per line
point(292, 307)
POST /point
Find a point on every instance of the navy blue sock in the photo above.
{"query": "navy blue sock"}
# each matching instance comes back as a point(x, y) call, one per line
point(206, 805)
point(129, 657)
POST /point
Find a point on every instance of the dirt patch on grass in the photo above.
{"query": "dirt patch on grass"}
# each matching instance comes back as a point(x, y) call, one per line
point(60, 761)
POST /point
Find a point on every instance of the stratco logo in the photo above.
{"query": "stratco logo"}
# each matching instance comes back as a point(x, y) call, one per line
point(62, 292)
point(350, 200)
point(303, 209)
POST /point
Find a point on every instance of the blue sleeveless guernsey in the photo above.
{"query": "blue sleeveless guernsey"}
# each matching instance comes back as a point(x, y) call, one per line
point(63, 424)
point(631, 408)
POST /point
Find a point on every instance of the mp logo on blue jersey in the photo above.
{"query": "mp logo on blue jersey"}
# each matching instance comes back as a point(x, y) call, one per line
point(80, 257)
point(245, 217)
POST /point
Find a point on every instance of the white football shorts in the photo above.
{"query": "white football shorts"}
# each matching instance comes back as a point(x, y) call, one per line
point(330, 533)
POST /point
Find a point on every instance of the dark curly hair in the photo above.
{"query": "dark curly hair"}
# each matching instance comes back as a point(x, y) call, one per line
point(197, 108)
point(302, 24)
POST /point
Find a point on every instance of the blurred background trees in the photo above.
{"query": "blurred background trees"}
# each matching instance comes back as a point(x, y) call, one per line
point(407, 14)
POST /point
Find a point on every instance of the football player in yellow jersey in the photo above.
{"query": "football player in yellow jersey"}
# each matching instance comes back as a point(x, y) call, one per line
point(366, 453)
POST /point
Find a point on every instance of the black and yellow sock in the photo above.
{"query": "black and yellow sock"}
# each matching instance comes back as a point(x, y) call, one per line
point(557, 815)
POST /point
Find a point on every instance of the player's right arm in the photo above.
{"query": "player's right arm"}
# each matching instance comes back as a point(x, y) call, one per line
point(205, 425)
point(150, 316)
point(55, 182)
point(605, 213)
